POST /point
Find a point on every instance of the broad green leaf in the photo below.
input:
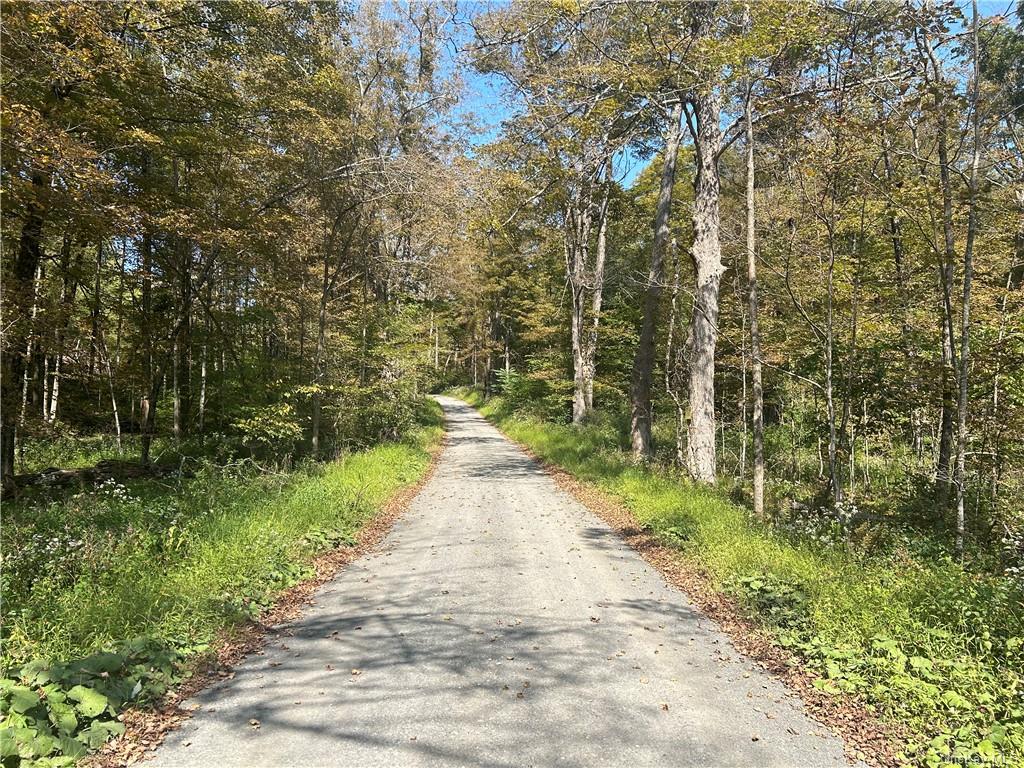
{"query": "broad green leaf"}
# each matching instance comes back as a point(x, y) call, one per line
point(62, 716)
point(99, 732)
point(91, 702)
point(22, 699)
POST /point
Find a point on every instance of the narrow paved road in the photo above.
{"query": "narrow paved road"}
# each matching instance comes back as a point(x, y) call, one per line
point(500, 624)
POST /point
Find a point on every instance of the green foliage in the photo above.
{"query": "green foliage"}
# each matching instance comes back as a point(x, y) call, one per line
point(274, 428)
point(917, 638)
point(772, 600)
point(56, 713)
point(136, 580)
point(366, 415)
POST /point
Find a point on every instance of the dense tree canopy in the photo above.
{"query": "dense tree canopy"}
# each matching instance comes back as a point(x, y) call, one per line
point(261, 221)
point(776, 249)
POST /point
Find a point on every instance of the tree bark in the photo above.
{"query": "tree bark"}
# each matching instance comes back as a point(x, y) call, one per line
point(182, 345)
point(152, 375)
point(965, 304)
point(643, 363)
point(707, 263)
point(18, 292)
point(597, 290)
point(757, 416)
point(319, 363)
point(36, 283)
point(69, 286)
point(673, 358)
point(949, 365)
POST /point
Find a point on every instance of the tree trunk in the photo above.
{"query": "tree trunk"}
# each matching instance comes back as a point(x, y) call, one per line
point(597, 295)
point(152, 375)
point(578, 219)
point(105, 355)
point(673, 357)
point(965, 305)
point(183, 344)
point(69, 286)
point(942, 473)
point(18, 292)
point(643, 363)
point(707, 263)
point(757, 417)
point(835, 489)
point(318, 363)
point(36, 283)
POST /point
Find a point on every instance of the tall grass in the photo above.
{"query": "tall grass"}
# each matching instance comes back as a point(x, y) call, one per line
point(175, 561)
point(924, 642)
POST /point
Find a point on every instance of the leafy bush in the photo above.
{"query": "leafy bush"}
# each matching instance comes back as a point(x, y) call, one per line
point(270, 429)
point(772, 600)
point(363, 416)
point(56, 713)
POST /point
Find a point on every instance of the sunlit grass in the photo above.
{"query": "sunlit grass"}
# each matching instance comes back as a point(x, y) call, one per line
point(930, 645)
point(178, 560)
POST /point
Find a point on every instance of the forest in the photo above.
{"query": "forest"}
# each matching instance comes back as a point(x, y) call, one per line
point(755, 270)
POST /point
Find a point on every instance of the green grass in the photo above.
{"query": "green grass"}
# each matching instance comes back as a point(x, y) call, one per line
point(136, 579)
point(924, 643)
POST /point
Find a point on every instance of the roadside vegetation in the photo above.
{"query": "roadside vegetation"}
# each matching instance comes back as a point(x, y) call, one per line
point(112, 593)
point(930, 645)
point(774, 248)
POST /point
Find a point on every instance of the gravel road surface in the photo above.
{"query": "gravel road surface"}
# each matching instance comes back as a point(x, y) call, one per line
point(500, 624)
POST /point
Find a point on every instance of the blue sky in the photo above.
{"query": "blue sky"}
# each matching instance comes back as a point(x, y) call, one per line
point(486, 99)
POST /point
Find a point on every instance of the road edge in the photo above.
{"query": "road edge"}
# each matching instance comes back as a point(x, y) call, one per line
point(146, 728)
point(864, 737)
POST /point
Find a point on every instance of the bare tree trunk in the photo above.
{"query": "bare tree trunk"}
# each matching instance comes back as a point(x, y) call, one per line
point(19, 291)
point(707, 262)
point(201, 415)
point(597, 294)
point(949, 365)
point(965, 306)
point(578, 220)
point(487, 358)
point(69, 285)
point(37, 282)
point(574, 263)
point(182, 345)
point(757, 418)
point(835, 489)
point(673, 357)
point(153, 376)
point(319, 362)
point(110, 385)
point(643, 363)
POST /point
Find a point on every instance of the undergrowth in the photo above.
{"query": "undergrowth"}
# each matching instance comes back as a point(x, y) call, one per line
point(109, 593)
point(924, 643)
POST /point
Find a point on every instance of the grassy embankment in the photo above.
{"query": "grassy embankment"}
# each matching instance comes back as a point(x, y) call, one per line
point(109, 594)
point(924, 643)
